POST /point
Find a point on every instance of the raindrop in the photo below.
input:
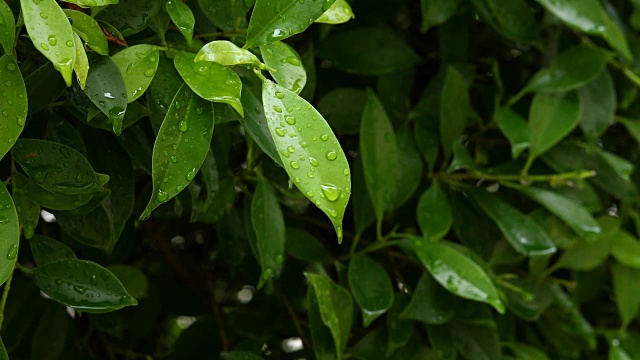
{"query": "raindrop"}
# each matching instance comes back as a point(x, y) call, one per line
point(280, 131)
point(295, 165)
point(310, 193)
point(326, 5)
point(199, 111)
point(330, 191)
point(279, 95)
point(310, 175)
point(324, 137)
point(192, 174)
point(292, 60)
point(174, 159)
point(162, 196)
point(291, 149)
point(69, 43)
point(11, 66)
point(21, 120)
point(44, 46)
point(290, 119)
point(43, 15)
point(79, 289)
point(64, 151)
point(93, 279)
point(277, 109)
point(303, 144)
point(4, 220)
point(331, 155)
point(346, 171)
point(52, 40)
point(229, 82)
point(183, 126)
point(313, 161)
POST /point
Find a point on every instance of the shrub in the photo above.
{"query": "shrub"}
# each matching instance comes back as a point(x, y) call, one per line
point(283, 179)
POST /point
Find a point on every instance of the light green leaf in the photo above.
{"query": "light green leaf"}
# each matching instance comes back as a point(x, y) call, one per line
point(626, 291)
point(133, 280)
point(82, 285)
point(436, 12)
point(107, 90)
point(51, 34)
point(277, 20)
point(456, 272)
point(138, 65)
point(9, 233)
point(598, 99)
point(50, 336)
point(130, 16)
point(371, 287)
point(434, 213)
point(515, 129)
point(454, 109)
point(336, 309)
point(511, 18)
point(309, 151)
point(211, 81)
point(525, 235)
point(89, 30)
point(228, 54)
point(551, 118)
point(268, 223)
point(181, 146)
point(226, 15)
point(430, 303)
point(46, 250)
point(288, 70)
point(28, 211)
point(340, 12)
point(7, 28)
point(625, 248)
point(379, 154)
point(14, 115)
point(81, 66)
point(182, 16)
point(92, 3)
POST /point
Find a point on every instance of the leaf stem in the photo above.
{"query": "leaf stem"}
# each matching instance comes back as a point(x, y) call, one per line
point(626, 71)
point(24, 269)
point(354, 244)
point(379, 229)
point(5, 295)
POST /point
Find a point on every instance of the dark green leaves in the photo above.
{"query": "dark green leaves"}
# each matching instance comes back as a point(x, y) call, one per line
point(511, 18)
point(138, 65)
point(181, 146)
point(9, 233)
point(434, 213)
point(430, 303)
point(515, 129)
point(268, 225)
point(627, 294)
point(46, 250)
point(551, 118)
point(371, 287)
point(225, 15)
point(107, 90)
point(435, 12)
point(182, 16)
point(7, 24)
point(454, 109)
point(309, 151)
point(273, 20)
point(13, 97)
point(130, 16)
point(287, 64)
point(598, 99)
point(82, 285)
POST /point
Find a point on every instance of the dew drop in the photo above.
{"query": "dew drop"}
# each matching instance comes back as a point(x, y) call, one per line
point(324, 137)
point(346, 171)
point(331, 155)
point(295, 165)
point(11, 67)
point(4, 220)
point(310, 175)
point(52, 40)
point(291, 149)
point(313, 161)
point(279, 95)
point(280, 131)
point(278, 109)
point(93, 279)
point(183, 126)
point(162, 196)
point(69, 43)
point(192, 174)
point(290, 119)
point(330, 191)
point(174, 159)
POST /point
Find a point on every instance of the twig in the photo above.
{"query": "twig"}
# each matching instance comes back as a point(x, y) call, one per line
point(294, 318)
point(5, 295)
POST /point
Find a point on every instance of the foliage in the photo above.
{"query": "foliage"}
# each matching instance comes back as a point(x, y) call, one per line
point(329, 179)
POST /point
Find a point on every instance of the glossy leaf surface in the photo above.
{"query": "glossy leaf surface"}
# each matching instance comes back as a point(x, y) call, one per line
point(89, 30)
point(138, 65)
point(454, 109)
point(182, 16)
point(9, 232)
point(512, 18)
point(340, 12)
point(7, 23)
point(14, 103)
point(228, 54)
point(288, 69)
point(598, 99)
point(107, 90)
point(627, 295)
point(515, 129)
point(130, 16)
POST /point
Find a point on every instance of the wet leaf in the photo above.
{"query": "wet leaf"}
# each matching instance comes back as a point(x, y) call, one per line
point(277, 20)
point(51, 34)
point(255, 123)
point(28, 211)
point(434, 213)
point(92, 3)
point(371, 287)
point(46, 250)
point(228, 54)
point(340, 12)
point(52, 200)
point(515, 129)
point(181, 146)
point(7, 30)
point(166, 83)
point(309, 151)
point(14, 95)
point(454, 109)
point(9, 232)
point(430, 303)
point(268, 223)
point(211, 81)
point(323, 345)
point(82, 285)
point(89, 30)
point(182, 16)
point(107, 90)
point(81, 66)
point(598, 99)
point(512, 18)
point(584, 256)
point(551, 118)
point(130, 16)
point(286, 64)
point(626, 292)
point(436, 12)
point(138, 65)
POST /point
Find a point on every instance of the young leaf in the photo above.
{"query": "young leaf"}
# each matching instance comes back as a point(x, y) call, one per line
point(268, 224)
point(14, 103)
point(456, 272)
point(51, 333)
point(286, 64)
point(430, 303)
point(138, 65)
point(434, 213)
point(525, 235)
point(625, 248)
point(46, 250)
point(309, 151)
point(182, 16)
point(626, 292)
point(277, 20)
point(28, 211)
point(454, 109)
point(9, 233)
point(598, 99)
point(435, 12)
point(7, 29)
point(512, 18)
point(82, 285)
point(211, 81)
point(379, 154)
point(228, 54)
point(371, 287)
point(181, 146)
point(340, 12)
point(89, 30)
point(81, 66)
point(551, 118)
point(107, 90)
point(336, 309)
point(51, 34)
point(515, 129)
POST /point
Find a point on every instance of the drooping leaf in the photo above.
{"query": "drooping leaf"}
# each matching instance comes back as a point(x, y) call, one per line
point(340, 12)
point(288, 70)
point(182, 16)
point(138, 65)
point(309, 151)
point(9, 233)
point(51, 34)
point(454, 109)
point(46, 250)
point(435, 12)
point(181, 146)
point(210, 81)
point(515, 129)
point(371, 287)
point(14, 103)
point(429, 303)
point(89, 30)
point(434, 213)
point(7, 28)
point(81, 66)
point(77, 283)
point(49, 339)
point(551, 118)
point(107, 90)
point(130, 17)
point(626, 293)
point(228, 54)
point(512, 18)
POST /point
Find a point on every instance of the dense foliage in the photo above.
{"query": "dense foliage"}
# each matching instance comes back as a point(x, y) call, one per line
point(287, 179)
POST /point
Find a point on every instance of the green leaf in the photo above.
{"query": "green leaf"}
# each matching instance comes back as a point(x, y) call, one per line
point(571, 213)
point(456, 272)
point(182, 16)
point(590, 17)
point(240, 355)
point(368, 51)
point(228, 54)
point(166, 83)
point(304, 246)
point(52, 200)
point(138, 65)
point(399, 331)
point(107, 90)
point(410, 168)
point(343, 109)
point(454, 109)
point(364, 215)
point(135, 112)
point(211, 81)
point(511, 18)
point(7, 29)
point(92, 3)
point(525, 235)
point(181, 146)
point(14, 114)
point(255, 123)
point(3, 351)
point(77, 284)
point(428, 144)
point(89, 30)
point(46, 250)
point(133, 280)
point(598, 99)
point(585, 256)
point(370, 346)
point(476, 338)
point(277, 20)
point(51, 34)
point(371, 287)
point(268, 223)
point(527, 298)
point(551, 118)
point(81, 66)
point(626, 292)
point(9, 233)
point(309, 151)
point(286, 64)
point(49, 339)
point(436, 12)
point(379, 154)
point(28, 211)
point(573, 68)
point(44, 86)
point(336, 309)
point(434, 213)
point(617, 353)
point(625, 248)
point(323, 346)
point(225, 15)
point(526, 352)
point(515, 129)
point(340, 12)
point(130, 16)
point(430, 303)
